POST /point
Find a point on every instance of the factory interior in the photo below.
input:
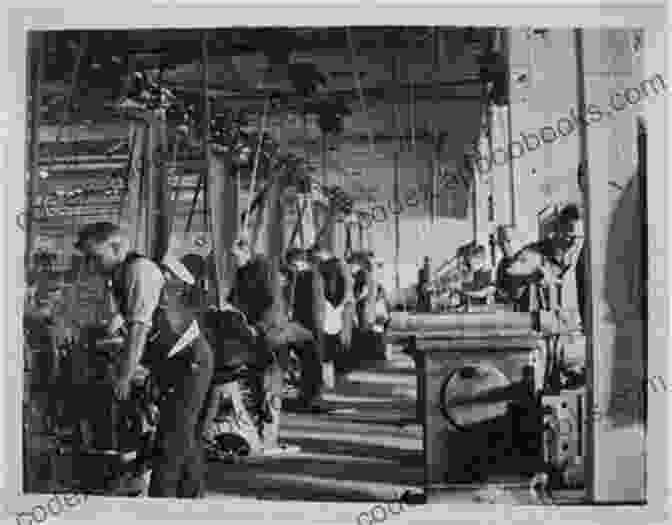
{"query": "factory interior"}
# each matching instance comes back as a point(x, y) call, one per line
point(358, 163)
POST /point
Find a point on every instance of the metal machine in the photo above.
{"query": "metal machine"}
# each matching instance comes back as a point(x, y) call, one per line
point(481, 379)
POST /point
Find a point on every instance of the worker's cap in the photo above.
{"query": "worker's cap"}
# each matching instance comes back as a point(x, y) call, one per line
point(570, 213)
point(95, 232)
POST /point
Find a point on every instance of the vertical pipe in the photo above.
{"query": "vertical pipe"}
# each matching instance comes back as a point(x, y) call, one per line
point(205, 67)
point(36, 65)
point(513, 186)
point(475, 196)
point(397, 236)
point(324, 147)
point(591, 295)
point(149, 199)
point(436, 168)
point(323, 157)
point(204, 178)
point(163, 212)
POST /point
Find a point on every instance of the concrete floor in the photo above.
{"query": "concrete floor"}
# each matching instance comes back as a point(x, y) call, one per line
point(360, 452)
point(369, 448)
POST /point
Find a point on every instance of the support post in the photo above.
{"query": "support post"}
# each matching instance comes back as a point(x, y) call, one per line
point(148, 200)
point(205, 69)
point(592, 293)
point(36, 72)
point(436, 167)
point(275, 224)
point(161, 220)
point(475, 197)
point(513, 185)
point(130, 214)
point(397, 236)
point(225, 214)
point(330, 233)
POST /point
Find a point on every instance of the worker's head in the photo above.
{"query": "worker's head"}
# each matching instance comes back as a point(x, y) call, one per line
point(242, 251)
point(505, 239)
point(570, 222)
point(476, 257)
point(104, 244)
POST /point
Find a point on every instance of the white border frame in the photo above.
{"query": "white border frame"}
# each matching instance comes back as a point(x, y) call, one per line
point(165, 14)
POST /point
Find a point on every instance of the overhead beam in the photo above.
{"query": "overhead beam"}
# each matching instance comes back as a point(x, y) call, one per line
point(75, 161)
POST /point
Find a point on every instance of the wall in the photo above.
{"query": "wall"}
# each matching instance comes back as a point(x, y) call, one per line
point(550, 94)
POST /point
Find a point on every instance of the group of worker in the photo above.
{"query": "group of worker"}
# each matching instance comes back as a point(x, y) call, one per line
point(529, 279)
point(313, 303)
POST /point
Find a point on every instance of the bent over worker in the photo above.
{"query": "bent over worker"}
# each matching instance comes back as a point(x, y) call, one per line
point(257, 293)
point(165, 338)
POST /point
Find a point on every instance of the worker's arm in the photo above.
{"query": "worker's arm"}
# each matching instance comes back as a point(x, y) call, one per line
point(349, 311)
point(144, 282)
point(133, 350)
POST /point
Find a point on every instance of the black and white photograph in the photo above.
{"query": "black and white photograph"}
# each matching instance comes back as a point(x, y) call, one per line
point(393, 265)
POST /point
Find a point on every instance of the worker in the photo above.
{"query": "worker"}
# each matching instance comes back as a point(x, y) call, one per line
point(477, 286)
point(340, 313)
point(257, 293)
point(424, 277)
point(164, 338)
point(504, 238)
point(538, 270)
point(306, 306)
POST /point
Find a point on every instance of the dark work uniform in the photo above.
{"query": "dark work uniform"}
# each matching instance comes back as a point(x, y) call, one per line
point(481, 279)
point(424, 298)
point(503, 279)
point(522, 287)
point(306, 294)
point(257, 293)
point(184, 378)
